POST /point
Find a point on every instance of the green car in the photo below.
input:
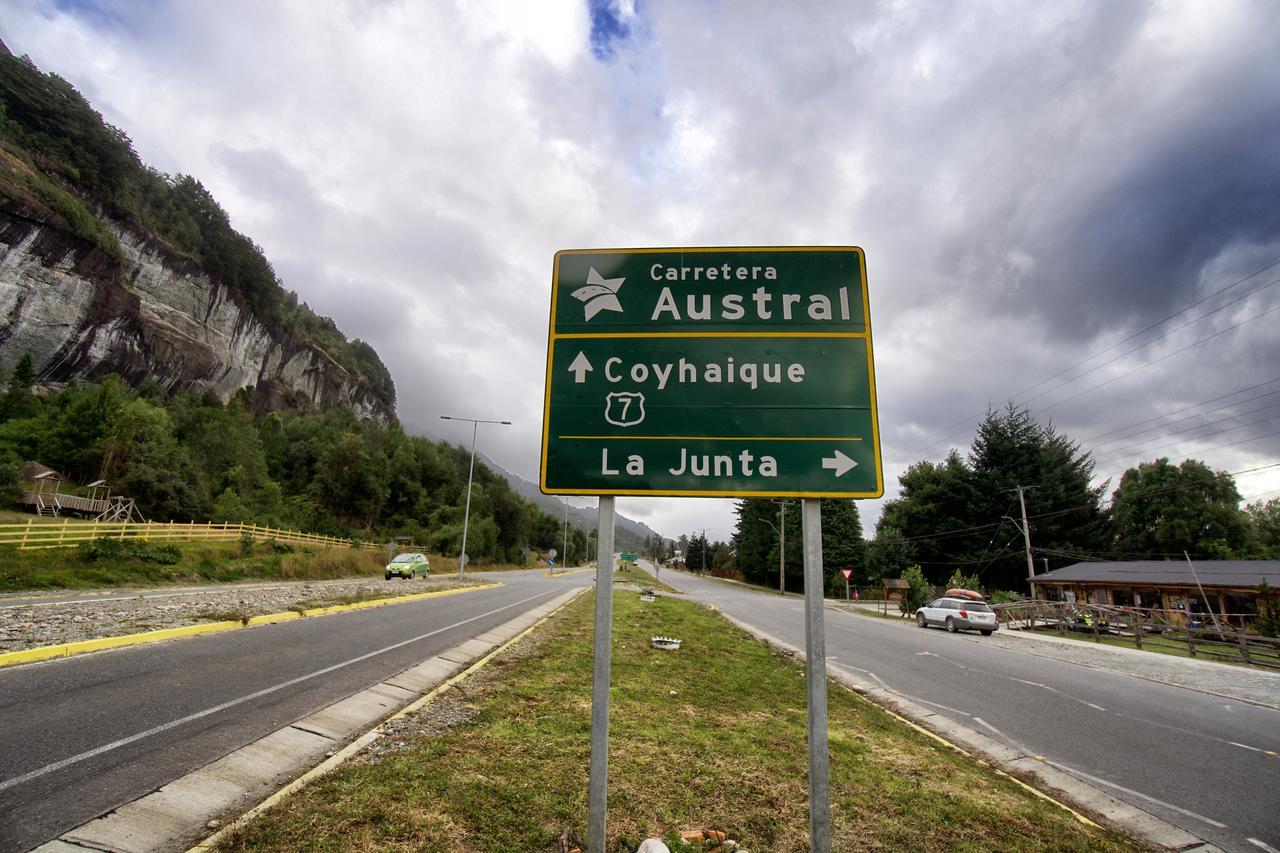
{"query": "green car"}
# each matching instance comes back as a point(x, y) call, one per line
point(408, 566)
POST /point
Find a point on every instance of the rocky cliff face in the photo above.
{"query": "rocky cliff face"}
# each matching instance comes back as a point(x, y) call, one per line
point(83, 314)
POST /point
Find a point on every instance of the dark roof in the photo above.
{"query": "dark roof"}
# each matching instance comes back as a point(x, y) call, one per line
point(1216, 573)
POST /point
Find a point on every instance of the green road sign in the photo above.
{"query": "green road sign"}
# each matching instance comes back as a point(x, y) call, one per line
point(711, 372)
point(628, 557)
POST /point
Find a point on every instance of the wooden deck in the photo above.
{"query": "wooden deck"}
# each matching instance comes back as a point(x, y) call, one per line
point(62, 503)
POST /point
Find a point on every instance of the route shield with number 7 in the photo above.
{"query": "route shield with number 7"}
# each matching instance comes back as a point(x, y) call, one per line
point(715, 372)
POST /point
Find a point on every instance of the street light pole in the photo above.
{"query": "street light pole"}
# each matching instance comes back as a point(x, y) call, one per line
point(782, 551)
point(466, 514)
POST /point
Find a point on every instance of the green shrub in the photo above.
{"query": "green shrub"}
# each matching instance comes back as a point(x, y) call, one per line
point(103, 550)
point(917, 594)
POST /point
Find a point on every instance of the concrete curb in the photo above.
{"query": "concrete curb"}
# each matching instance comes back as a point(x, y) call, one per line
point(66, 650)
point(170, 817)
point(1006, 759)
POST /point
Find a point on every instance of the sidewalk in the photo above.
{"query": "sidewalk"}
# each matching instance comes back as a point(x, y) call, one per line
point(1231, 681)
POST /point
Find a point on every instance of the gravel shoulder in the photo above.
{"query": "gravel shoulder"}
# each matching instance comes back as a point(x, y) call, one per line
point(45, 624)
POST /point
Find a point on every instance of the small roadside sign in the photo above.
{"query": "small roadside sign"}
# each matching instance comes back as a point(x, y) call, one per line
point(628, 556)
point(848, 573)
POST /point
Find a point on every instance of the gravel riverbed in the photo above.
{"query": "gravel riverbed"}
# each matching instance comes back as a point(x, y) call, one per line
point(27, 626)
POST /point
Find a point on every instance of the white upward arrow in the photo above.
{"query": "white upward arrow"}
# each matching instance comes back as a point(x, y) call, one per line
point(839, 462)
point(580, 367)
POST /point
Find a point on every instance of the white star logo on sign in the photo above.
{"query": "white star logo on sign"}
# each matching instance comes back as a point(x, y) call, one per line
point(599, 294)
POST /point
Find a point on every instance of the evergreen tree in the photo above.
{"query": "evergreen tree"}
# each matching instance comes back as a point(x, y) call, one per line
point(699, 557)
point(19, 402)
point(957, 514)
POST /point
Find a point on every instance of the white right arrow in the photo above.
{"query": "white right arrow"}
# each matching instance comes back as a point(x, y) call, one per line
point(839, 462)
point(580, 367)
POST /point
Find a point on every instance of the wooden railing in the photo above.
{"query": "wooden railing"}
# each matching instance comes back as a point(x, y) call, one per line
point(1195, 634)
point(67, 533)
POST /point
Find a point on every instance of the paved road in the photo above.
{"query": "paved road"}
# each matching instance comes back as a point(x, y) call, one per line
point(84, 735)
point(1198, 761)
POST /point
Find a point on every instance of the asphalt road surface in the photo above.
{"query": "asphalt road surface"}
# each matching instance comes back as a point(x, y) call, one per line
point(84, 735)
point(1197, 761)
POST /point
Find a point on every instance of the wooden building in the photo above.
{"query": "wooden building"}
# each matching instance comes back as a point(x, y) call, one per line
point(1227, 587)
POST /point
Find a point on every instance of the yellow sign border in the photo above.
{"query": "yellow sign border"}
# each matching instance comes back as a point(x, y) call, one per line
point(552, 337)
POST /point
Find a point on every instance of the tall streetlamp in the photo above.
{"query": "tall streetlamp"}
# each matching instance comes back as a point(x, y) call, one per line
point(466, 515)
point(781, 530)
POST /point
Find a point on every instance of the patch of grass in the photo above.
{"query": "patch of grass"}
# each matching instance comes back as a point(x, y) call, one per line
point(193, 562)
point(710, 736)
point(633, 573)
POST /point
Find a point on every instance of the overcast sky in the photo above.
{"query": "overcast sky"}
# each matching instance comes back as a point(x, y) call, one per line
point(1032, 183)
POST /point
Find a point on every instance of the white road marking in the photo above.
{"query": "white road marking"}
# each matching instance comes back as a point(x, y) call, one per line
point(1018, 745)
point(1191, 732)
point(1134, 793)
point(266, 691)
point(943, 707)
point(1263, 845)
point(1246, 746)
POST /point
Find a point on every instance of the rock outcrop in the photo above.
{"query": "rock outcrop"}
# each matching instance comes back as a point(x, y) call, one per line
point(83, 314)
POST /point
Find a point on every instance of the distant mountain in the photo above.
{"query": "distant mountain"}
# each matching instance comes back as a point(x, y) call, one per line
point(628, 533)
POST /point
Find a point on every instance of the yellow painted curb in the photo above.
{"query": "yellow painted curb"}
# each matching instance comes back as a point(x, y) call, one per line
point(567, 572)
point(66, 650)
point(331, 763)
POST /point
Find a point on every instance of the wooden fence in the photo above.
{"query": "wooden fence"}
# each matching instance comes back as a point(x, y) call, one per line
point(1150, 629)
point(67, 533)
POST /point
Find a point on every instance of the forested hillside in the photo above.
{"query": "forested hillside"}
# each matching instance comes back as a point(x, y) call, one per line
point(61, 164)
point(188, 456)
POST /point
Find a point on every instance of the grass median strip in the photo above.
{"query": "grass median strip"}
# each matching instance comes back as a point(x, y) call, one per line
point(710, 736)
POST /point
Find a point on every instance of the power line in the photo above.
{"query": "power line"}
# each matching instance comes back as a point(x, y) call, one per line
point(1127, 373)
point(1204, 450)
point(949, 429)
point(1130, 451)
point(1094, 438)
point(1161, 337)
point(1233, 414)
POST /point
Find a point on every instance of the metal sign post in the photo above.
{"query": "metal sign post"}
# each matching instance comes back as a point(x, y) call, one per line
point(816, 676)
point(598, 783)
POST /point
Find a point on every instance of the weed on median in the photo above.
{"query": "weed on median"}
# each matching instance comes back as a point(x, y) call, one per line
point(710, 736)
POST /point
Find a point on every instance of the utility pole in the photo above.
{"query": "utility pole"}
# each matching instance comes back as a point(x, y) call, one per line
point(1026, 538)
point(704, 550)
point(566, 535)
